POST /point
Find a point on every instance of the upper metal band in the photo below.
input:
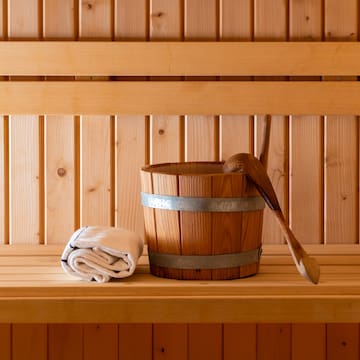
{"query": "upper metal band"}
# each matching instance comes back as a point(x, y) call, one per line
point(185, 203)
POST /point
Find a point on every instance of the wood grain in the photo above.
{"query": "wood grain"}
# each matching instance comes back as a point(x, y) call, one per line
point(96, 137)
point(273, 341)
point(239, 341)
point(196, 228)
point(169, 58)
point(200, 19)
point(65, 341)
point(308, 341)
point(168, 229)
point(342, 341)
point(270, 23)
point(24, 142)
point(5, 341)
point(306, 134)
point(166, 137)
point(59, 139)
point(129, 335)
point(170, 341)
point(101, 340)
point(236, 131)
point(131, 151)
point(29, 341)
point(205, 341)
point(341, 141)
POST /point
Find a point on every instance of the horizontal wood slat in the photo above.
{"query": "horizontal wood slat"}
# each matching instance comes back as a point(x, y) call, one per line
point(34, 289)
point(179, 58)
point(208, 97)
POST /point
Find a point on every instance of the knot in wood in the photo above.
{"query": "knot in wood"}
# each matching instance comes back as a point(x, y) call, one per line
point(61, 172)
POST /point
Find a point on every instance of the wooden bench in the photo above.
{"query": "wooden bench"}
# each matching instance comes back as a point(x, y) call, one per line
point(33, 287)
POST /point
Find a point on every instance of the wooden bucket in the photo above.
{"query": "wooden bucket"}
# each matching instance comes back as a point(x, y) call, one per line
point(201, 223)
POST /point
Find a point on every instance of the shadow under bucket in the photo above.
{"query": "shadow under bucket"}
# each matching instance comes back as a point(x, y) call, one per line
point(201, 223)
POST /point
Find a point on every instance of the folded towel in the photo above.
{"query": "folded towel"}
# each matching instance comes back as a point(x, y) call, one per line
point(101, 253)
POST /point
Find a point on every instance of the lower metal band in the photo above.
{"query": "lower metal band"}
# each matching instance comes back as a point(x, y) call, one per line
point(199, 262)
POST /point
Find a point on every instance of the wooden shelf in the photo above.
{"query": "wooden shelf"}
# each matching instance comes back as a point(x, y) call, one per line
point(34, 289)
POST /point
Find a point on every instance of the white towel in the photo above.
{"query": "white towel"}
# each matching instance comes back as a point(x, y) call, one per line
point(101, 253)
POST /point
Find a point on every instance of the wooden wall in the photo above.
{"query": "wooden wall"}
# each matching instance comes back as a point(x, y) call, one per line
point(61, 172)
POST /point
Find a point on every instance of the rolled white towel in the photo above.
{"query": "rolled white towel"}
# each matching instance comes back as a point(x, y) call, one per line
point(101, 253)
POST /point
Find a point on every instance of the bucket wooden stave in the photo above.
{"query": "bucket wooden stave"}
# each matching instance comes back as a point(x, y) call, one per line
point(201, 232)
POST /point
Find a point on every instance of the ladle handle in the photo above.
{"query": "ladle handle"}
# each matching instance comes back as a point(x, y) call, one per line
point(264, 154)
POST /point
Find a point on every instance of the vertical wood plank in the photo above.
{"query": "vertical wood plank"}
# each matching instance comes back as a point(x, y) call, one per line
point(226, 226)
point(273, 341)
point(308, 341)
point(5, 341)
point(205, 341)
point(24, 141)
point(306, 140)
point(29, 342)
point(236, 131)
point(95, 170)
point(96, 143)
point(3, 185)
point(95, 131)
point(167, 222)
point(131, 131)
point(129, 346)
point(65, 341)
point(131, 23)
point(341, 141)
point(239, 341)
point(170, 341)
point(101, 341)
point(3, 153)
point(58, 24)
point(270, 24)
point(342, 341)
point(195, 226)
point(201, 132)
point(165, 131)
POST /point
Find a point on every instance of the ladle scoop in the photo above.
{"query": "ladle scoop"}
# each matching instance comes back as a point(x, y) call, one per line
point(255, 171)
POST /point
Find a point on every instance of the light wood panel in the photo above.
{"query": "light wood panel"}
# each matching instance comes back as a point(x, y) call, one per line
point(200, 19)
point(3, 180)
point(131, 152)
point(179, 58)
point(25, 141)
point(170, 341)
point(299, 98)
point(270, 23)
point(59, 139)
point(341, 141)
point(166, 137)
point(306, 140)
point(236, 132)
point(129, 335)
point(96, 140)
point(3, 155)
point(41, 292)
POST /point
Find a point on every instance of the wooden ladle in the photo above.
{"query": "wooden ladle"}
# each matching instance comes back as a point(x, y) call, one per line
point(255, 171)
